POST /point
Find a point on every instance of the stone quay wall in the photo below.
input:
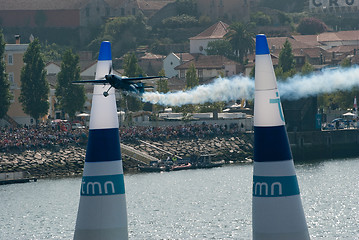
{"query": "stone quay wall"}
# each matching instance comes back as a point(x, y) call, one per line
point(69, 161)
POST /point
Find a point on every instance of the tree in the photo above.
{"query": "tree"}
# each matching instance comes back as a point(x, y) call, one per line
point(346, 63)
point(130, 66)
point(286, 58)
point(307, 68)
point(125, 33)
point(34, 87)
point(132, 69)
point(181, 21)
point(284, 18)
point(241, 39)
point(286, 64)
point(191, 77)
point(252, 74)
point(311, 26)
point(51, 52)
point(162, 83)
point(191, 82)
point(212, 107)
point(5, 95)
point(220, 47)
point(281, 75)
point(260, 18)
point(188, 7)
point(71, 97)
point(341, 98)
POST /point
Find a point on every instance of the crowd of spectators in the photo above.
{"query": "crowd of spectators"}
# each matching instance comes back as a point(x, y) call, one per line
point(49, 136)
point(42, 136)
point(195, 131)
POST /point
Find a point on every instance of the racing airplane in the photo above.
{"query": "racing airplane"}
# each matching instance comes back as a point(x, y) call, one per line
point(126, 84)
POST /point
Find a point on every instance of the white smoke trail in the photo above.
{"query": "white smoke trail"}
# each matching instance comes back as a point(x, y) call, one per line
point(227, 89)
point(222, 89)
point(327, 81)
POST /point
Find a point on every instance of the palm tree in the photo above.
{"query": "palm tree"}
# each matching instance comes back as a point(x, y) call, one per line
point(241, 39)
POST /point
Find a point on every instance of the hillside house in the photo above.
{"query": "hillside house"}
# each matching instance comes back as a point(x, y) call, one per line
point(151, 63)
point(55, 19)
point(209, 67)
point(199, 43)
point(173, 60)
point(328, 40)
point(14, 54)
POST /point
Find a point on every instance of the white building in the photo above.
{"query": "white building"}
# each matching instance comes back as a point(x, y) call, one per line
point(209, 67)
point(173, 60)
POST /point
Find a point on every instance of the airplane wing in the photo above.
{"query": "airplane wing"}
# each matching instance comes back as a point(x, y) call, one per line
point(92, 81)
point(129, 79)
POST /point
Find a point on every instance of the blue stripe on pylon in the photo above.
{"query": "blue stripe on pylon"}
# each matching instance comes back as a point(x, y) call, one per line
point(271, 144)
point(103, 145)
point(275, 186)
point(261, 45)
point(105, 52)
point(102, 185)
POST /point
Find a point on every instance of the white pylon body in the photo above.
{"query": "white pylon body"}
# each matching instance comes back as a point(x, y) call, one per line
point(277, 212)
point(102, 213)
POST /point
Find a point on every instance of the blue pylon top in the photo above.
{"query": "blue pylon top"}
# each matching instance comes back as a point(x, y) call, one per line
point(105, 51)
point(261, 44)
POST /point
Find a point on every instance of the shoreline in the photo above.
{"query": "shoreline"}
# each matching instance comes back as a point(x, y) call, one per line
point(69, 160)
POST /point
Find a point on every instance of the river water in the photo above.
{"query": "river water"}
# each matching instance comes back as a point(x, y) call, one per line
point(190, 204)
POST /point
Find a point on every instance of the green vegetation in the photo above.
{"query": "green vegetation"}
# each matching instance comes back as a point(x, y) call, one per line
point(181, 21)
point(34, 87)
point(339, 99)
point(286, 57)
point(162, 83)
point(5, 95)
point(307, 69)
point(261, 19)
point(310, 26)
point(191, 77)
point(125, 34)
point(51, 52)
point(188, 7)
point(286, 65)
point(220, 47)
point(241, 40)
point(132, 69)
point(71, 98)
point(212, 107)
point(130, 66)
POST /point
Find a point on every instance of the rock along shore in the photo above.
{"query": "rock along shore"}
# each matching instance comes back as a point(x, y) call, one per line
point(69, 161)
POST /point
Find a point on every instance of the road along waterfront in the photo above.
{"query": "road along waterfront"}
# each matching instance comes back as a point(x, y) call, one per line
point(192, 204)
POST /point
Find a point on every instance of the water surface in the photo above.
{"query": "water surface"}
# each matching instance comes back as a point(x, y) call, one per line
point(190, 204)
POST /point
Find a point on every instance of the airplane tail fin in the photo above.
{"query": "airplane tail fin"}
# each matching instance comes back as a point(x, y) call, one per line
point(141, 87)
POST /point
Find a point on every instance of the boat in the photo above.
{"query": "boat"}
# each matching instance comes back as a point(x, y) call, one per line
point(202, 161)
point(16, 177)
point(205, 161)
point(183, 166)
point(155, 166)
